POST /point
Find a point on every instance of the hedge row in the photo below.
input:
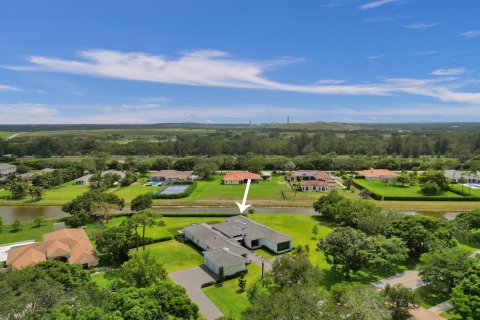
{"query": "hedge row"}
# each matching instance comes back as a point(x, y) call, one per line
point(184, 194)
point(427, 198)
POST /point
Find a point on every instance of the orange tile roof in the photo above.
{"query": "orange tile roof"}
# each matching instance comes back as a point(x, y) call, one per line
point(72, 244)
point(233, 176)
point(376, 173)
point(308, 183)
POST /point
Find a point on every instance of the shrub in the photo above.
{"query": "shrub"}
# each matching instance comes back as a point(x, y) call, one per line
point(430, 188)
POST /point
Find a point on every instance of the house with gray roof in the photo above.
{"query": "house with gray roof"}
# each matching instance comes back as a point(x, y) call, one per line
point(470, 177)
point(232, 263)
point(6, 169)
point(254, 235)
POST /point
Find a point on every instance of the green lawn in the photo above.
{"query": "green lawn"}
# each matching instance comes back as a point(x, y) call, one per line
point(214, 190)
point(379, 187)
point(226, 296)
point(104, 279)
point(28, 232)
point(5, 134)
point(473, 191)
point(56, 196)
point(175, 255)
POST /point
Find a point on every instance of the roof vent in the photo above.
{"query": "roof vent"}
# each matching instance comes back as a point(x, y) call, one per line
point(226, 249)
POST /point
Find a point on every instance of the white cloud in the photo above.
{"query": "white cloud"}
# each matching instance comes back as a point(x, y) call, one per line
point(428, 52)
point(377, 56)
point(421, 26)
point(471, 34)
point(448, 72)
point(330, 81)
point(218, 69)
point(376, 4)
point(4, 87)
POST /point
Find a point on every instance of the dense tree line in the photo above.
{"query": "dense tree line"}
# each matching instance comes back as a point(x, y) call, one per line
point(264, 142)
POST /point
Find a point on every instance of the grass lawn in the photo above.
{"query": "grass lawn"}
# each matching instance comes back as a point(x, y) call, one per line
point(473, 191)
point(105, 278)
point(5, 134)
point(133, 190)
point(226, 296)
point(174, 255)
point(214, 190)
point(28, 232)
point(56, 196)
point(379, 187)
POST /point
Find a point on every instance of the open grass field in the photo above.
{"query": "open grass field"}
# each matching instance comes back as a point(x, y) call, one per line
point(56, 196)
point(5, 134)
point(214, 190)
point(226, 296)
point(104, 279)
point(28, 232)
point(379, 187)
point(106, 132)
point(174, 255)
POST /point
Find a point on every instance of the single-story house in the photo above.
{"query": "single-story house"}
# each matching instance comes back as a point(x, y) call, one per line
point(470, 177)
point(254, 235)
point(68, 245)
point(232, 263)
point(85, 180)
point(222, 242)
point(316, 177)
point(236, 177)
point(205, 237)
point(377, 174)
point(314, 186)
point(6, 169)
point(171, 176)
point(5, 248)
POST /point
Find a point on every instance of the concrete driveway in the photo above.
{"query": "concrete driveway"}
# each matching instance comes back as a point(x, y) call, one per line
point(409, 279)
point(192, 280)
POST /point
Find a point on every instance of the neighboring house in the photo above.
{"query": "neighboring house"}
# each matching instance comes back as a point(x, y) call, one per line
point(121, 174)
point(5, 248)
point(234, 177)
point(171, 176)
point(68, 245)
point(85, 180)
point(470, 177)
point(377, 174)
point(221, 242)
point(6, 169)
point(254, 235)
point(314, 186)
point(321, 180)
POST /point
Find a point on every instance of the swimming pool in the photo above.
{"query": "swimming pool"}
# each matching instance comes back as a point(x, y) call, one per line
point(174, 189)
point(152, 184)
point(473, 185)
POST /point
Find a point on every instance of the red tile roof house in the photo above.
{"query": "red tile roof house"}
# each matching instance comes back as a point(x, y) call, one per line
point(68, 245)
point(377, 174)
point(233, 177)
point(312, 175)
point(171, 176)
point(314, 185)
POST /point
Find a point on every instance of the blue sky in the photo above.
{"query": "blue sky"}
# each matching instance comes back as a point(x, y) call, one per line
point(231, 61)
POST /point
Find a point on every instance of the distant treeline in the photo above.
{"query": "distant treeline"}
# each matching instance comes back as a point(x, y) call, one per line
point(464, 144)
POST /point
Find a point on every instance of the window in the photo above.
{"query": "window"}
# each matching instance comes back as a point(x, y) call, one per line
point(255, 243)
point(283, 246)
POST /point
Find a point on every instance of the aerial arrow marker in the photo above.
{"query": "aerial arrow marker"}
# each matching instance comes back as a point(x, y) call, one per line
point(242, 206)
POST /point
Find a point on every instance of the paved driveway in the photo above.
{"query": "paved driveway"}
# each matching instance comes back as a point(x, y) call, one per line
point(409, 279)
point(192, 280)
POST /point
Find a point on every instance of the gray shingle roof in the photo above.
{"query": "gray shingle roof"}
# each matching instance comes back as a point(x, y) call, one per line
point(456, 174)
point(255, 230)
point(214, 239)
point(224, 258)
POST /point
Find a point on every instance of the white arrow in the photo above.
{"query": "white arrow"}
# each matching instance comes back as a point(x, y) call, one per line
point(242, 206)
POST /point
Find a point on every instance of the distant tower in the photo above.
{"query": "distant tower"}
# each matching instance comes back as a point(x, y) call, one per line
point(288, 119)
point(250, 122)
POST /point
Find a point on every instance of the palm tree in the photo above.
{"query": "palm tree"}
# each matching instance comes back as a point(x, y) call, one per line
point(146, 218)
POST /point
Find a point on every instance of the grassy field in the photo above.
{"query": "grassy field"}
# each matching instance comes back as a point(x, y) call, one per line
point(473, 191)
point(5, 134)
point(56, 196)
point(226, 296)
point(175, 255)
point(379, 188)
point(28, 232)
point(106, 132)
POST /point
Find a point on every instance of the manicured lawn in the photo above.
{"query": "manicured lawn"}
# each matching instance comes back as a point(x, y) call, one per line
point(56, 196)
point(473, 191)
point(379, 187)
point(133, 190)
point(226, 296)
point(5, 134)
point(214, 190)
point(28, 232)
point(174, 255)
point(104, 279)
